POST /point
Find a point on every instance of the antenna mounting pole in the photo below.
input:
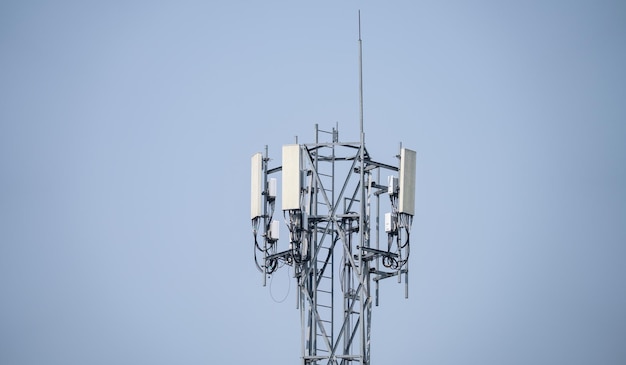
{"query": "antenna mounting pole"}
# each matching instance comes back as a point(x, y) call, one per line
point(361, 80)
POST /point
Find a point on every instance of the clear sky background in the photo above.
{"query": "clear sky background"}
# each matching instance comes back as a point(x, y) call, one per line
point(127, 127)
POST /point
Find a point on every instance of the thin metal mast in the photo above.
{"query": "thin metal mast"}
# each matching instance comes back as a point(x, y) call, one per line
point(361, 81)
point(363, 220)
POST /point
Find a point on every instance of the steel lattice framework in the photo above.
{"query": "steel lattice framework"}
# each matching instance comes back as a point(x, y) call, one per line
point(331, 199)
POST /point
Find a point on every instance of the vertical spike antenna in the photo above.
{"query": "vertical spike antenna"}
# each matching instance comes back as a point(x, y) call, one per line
point(361, 80)
point(362, 150)
point(362, 221)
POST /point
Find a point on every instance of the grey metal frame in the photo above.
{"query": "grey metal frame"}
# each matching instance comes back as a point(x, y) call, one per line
point(334, 219)
point(336, 324)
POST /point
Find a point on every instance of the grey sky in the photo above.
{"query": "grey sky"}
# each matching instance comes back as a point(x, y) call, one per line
point(126, 130)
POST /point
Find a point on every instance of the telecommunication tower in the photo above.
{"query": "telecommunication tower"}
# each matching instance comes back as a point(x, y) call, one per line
point(331, 197)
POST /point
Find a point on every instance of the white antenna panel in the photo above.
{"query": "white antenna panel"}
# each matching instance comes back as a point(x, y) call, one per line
point(271, 188)
point(407, 181)
point(256, 193)
point(292, 184)
point(393, 185)
point(390, 222)
point(275, 230)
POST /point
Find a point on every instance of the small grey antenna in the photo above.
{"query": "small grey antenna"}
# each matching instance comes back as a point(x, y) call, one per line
point(361, 80)
point(362, 147)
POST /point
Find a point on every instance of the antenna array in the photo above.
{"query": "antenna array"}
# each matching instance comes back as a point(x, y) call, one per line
point(331, 198)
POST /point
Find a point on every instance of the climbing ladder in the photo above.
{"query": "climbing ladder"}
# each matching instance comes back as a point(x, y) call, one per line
point(324, 238)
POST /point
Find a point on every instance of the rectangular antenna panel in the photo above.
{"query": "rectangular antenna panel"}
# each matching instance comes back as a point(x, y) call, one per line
point(390, 222)
point(274, 230)
point(271, 188)
point(407, 181)
point(256, 194)
point(292, 183)
point(393, 185)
